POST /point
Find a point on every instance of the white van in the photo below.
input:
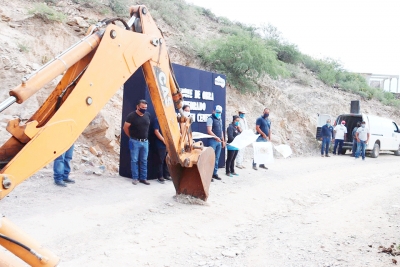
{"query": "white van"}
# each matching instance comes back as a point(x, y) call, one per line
point(384, 133)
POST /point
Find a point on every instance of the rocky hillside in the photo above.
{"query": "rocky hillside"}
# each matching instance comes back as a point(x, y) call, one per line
point(27, 41)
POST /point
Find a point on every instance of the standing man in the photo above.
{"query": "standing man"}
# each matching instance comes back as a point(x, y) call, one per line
point(214, 128)
point(340, 132)
point(353, 134)
point(263, 127)
point(362, 136)
point(62, 168)
point(162, 168)
point(326, 137)
point(243, 126)
point(136, 127)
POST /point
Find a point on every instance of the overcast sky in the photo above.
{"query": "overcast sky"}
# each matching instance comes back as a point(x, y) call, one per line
point(363, 35)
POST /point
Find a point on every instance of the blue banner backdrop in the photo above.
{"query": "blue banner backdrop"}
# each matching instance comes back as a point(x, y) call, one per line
point(201, 90)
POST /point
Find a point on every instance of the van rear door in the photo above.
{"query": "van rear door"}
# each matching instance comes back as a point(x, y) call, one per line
point(396, 136)
point(321, 121)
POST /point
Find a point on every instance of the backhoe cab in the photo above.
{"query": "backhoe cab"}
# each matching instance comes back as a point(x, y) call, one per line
point(93, 70)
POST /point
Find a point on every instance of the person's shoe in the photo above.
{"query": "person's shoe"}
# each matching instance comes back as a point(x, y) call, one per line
point(230, 175)
point(322, 155)
point(60, 183)
point(135, 181)
point(144, 182)
point(243, 167)
point(255, 167)
point(215, 176)
point(238, 166)
point(327, 156)
point(234, 173)
point(363, 159)
point(262, 166)
point(334, 154)
point(161, 180)
point(212, 179)
point(169, 178)
point(69, 181)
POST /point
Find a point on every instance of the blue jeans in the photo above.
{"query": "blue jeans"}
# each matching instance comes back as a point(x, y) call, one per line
point(340, 143)
point(217, 146)
point(354, 147)
point(361, 149)
point(259, 139)
point(326, 141)
point(61, 166)
point(162, 167)
point(139, 152)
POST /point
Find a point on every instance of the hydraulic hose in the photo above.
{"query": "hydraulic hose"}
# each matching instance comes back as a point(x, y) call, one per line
point(22, 246)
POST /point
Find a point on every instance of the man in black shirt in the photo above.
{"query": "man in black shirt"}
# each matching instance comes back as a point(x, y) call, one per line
point(136, 127)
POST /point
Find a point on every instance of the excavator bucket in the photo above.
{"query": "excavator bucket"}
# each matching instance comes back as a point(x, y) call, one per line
point(194, 181)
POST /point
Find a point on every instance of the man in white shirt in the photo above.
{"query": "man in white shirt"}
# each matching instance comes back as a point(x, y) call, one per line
point(243, 126)
point(362, 136)
point(340, 132)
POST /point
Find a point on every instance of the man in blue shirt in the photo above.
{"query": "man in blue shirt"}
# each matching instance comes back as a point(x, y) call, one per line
point(326, 137)
point(263, 127)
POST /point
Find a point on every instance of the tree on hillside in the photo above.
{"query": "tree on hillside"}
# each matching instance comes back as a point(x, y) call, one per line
point(243, 59)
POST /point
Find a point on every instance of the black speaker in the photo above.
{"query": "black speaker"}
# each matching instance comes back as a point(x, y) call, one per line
point(355, 107)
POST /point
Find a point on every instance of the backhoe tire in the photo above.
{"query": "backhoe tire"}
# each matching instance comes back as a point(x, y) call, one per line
point(375, 151)
point(397, 152)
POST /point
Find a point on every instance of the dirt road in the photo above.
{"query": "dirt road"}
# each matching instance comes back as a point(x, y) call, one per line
point(301, 212)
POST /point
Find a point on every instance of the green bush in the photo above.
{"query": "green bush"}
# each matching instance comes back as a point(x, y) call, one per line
point(244, 60)
point(176, 13)
point(51, 1)
point(90, 3)
point(208, 14)
point(47, 13)
point(120, 7)
point(288, 53)
point(23, 47)
point(285, 51)
point(224, 21)
point(310, 63)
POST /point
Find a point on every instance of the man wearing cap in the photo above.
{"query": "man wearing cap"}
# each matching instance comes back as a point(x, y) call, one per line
point(340, 132)
point(362, 136)
point(243, 126)
point(263, 127)
point(215, 129)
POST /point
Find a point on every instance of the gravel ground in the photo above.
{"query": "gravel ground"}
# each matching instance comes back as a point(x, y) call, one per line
point(309, 211)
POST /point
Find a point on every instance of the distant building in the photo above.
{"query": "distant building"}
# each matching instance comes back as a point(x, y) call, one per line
point(378, 81)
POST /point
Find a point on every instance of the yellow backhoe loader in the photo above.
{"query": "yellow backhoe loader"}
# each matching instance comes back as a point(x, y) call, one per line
point(93, 70)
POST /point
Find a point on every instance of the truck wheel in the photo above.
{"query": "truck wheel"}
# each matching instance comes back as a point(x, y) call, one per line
point(397, 152)
point(375, 151)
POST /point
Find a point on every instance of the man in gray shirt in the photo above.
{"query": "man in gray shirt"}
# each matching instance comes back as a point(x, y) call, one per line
point(362, 136)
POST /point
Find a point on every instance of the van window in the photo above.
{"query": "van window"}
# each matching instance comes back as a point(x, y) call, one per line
point(396, 129)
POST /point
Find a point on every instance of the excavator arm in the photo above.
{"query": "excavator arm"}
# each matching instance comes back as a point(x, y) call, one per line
point(93, 70)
